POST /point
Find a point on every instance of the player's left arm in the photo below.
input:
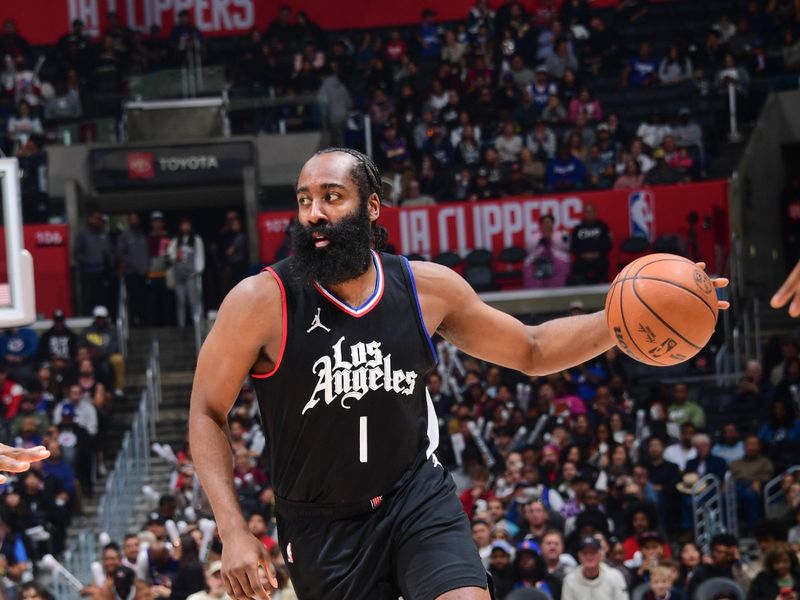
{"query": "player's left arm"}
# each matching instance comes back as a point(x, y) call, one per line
point(452, 308)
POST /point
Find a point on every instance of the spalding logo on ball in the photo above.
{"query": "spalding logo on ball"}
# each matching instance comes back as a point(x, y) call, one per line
point(661, 309)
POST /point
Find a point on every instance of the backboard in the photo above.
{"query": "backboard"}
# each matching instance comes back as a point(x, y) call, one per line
point(17, 290)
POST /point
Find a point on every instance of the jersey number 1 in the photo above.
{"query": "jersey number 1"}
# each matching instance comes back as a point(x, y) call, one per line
point(362, 439)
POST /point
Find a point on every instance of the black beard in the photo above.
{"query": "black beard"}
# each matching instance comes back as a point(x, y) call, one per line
point(346, 256)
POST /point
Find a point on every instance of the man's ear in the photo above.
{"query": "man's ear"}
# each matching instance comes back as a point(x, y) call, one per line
point(373, 207)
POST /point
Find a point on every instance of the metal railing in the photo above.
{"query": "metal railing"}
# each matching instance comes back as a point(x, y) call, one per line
point(731, 507)
point(707, 510)
point(123, 320)
point(123, 486)
point(773, 490)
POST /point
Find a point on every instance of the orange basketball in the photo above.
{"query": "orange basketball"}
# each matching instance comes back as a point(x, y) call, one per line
point(661, 309)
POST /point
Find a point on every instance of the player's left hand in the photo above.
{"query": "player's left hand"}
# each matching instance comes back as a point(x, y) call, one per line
point(790, 290)
point(18, 460)
point(719, 282)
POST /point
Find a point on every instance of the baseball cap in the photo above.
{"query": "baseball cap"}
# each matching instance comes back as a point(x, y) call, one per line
point(214, 567)
point(589, 542)
point(58, 314)
point(541, 69)
point(646, 536)
point(156, 214)
point(504, 546)
point(603, 127)
point(529, 546)
point(67, 410)
point(100, 311)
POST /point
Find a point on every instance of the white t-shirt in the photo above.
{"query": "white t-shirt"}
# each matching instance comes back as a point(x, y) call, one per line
point(679, 455)
point(608, 585)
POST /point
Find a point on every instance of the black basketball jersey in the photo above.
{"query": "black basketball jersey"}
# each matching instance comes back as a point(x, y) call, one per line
point(345, 409)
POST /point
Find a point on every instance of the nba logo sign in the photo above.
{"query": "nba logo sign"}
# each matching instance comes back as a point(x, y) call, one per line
point(642, 215)
point(140, 165)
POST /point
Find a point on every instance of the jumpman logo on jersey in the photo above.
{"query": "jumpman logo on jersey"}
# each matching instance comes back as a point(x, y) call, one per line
point(316, 323)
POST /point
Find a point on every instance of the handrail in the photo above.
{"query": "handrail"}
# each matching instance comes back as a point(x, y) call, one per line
point(123, 486)
point(773, 491)
point(707, 510)
point(731, 508)
point(123, 322)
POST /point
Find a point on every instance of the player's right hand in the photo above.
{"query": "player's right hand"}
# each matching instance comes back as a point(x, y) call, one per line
point(790, 290)
point(18, 460)
point(242, 555)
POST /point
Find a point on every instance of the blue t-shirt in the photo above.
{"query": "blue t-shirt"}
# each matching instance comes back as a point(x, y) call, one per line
point(641, 69)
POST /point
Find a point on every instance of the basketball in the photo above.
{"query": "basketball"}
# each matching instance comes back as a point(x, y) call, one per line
point(661, 309)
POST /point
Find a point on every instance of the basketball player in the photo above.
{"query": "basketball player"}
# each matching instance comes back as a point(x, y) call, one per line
point(337, 340)
point(18, 460)
point(790, 290)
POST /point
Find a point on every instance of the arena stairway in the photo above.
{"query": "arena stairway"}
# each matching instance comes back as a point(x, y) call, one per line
point(177, 369)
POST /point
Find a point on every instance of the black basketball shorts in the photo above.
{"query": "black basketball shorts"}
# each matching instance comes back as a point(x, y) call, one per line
point(416, 544)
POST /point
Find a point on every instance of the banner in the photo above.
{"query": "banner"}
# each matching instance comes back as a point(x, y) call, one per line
point(49, 246)
point(497, 224)
point(226, 17)
point(158, 166)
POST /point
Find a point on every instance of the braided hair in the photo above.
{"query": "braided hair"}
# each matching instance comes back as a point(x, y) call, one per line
point(368, 181)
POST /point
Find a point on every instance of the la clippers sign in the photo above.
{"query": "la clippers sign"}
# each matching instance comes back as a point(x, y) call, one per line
point(497, 224)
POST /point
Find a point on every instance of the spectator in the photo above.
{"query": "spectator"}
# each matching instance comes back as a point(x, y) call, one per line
point(750, 473)
point(438, 146)
point(531, 571)
point(184, 39)
point(335, 93)
point(79, 406)
point(93, 257)
point(662, 173)
point(565, 172)
point(481, 531)
point(508, 144)
point(479, 490)
point(632, 178)
point(780, 577)
point(453, 51)
point(675, 68)
point(12, 394)
point(557, 563)
point(428, 36)
point(532, 169)
point(653, 130)
point(188, 259)
point(661, 585)
point(130, 550)
point(157, 243)
point(593, 578)
point(537, 523)
point(76, 446)
point(547, 263)
point(641, 70)
point(13, 552)
point(780, 435)
point(590, 243)
point(664, 476)
point(601, 170)
point(29, 410)
point(134, 261)
point(414, 197)
point(523, 76)
point(18, 347)
point(215, 589)
point(733, 74)
point(730, 447)
point(20, 82)
point(587, 105)
point(683, 451)
point(561, 59)
point(257, 525)
point(682, 409)
point(501, 568)
point(190, 577)
point(468, 150)
point(22, 126)
point(704, 462)
point(11, 42)
point(101, 339)
point(723, 563)
point(542, 142)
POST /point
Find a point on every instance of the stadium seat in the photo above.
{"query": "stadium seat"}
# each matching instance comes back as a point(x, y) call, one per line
point(531, 594)
point(480, 277)
point(508, 271)
point(631, 249)
point(718, 585)
point(479, 256)
point(451, 260)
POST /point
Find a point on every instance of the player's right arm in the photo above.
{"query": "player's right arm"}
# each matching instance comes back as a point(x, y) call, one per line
point(246, 334)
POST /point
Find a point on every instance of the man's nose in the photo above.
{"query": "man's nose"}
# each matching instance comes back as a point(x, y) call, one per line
point(317, 212)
